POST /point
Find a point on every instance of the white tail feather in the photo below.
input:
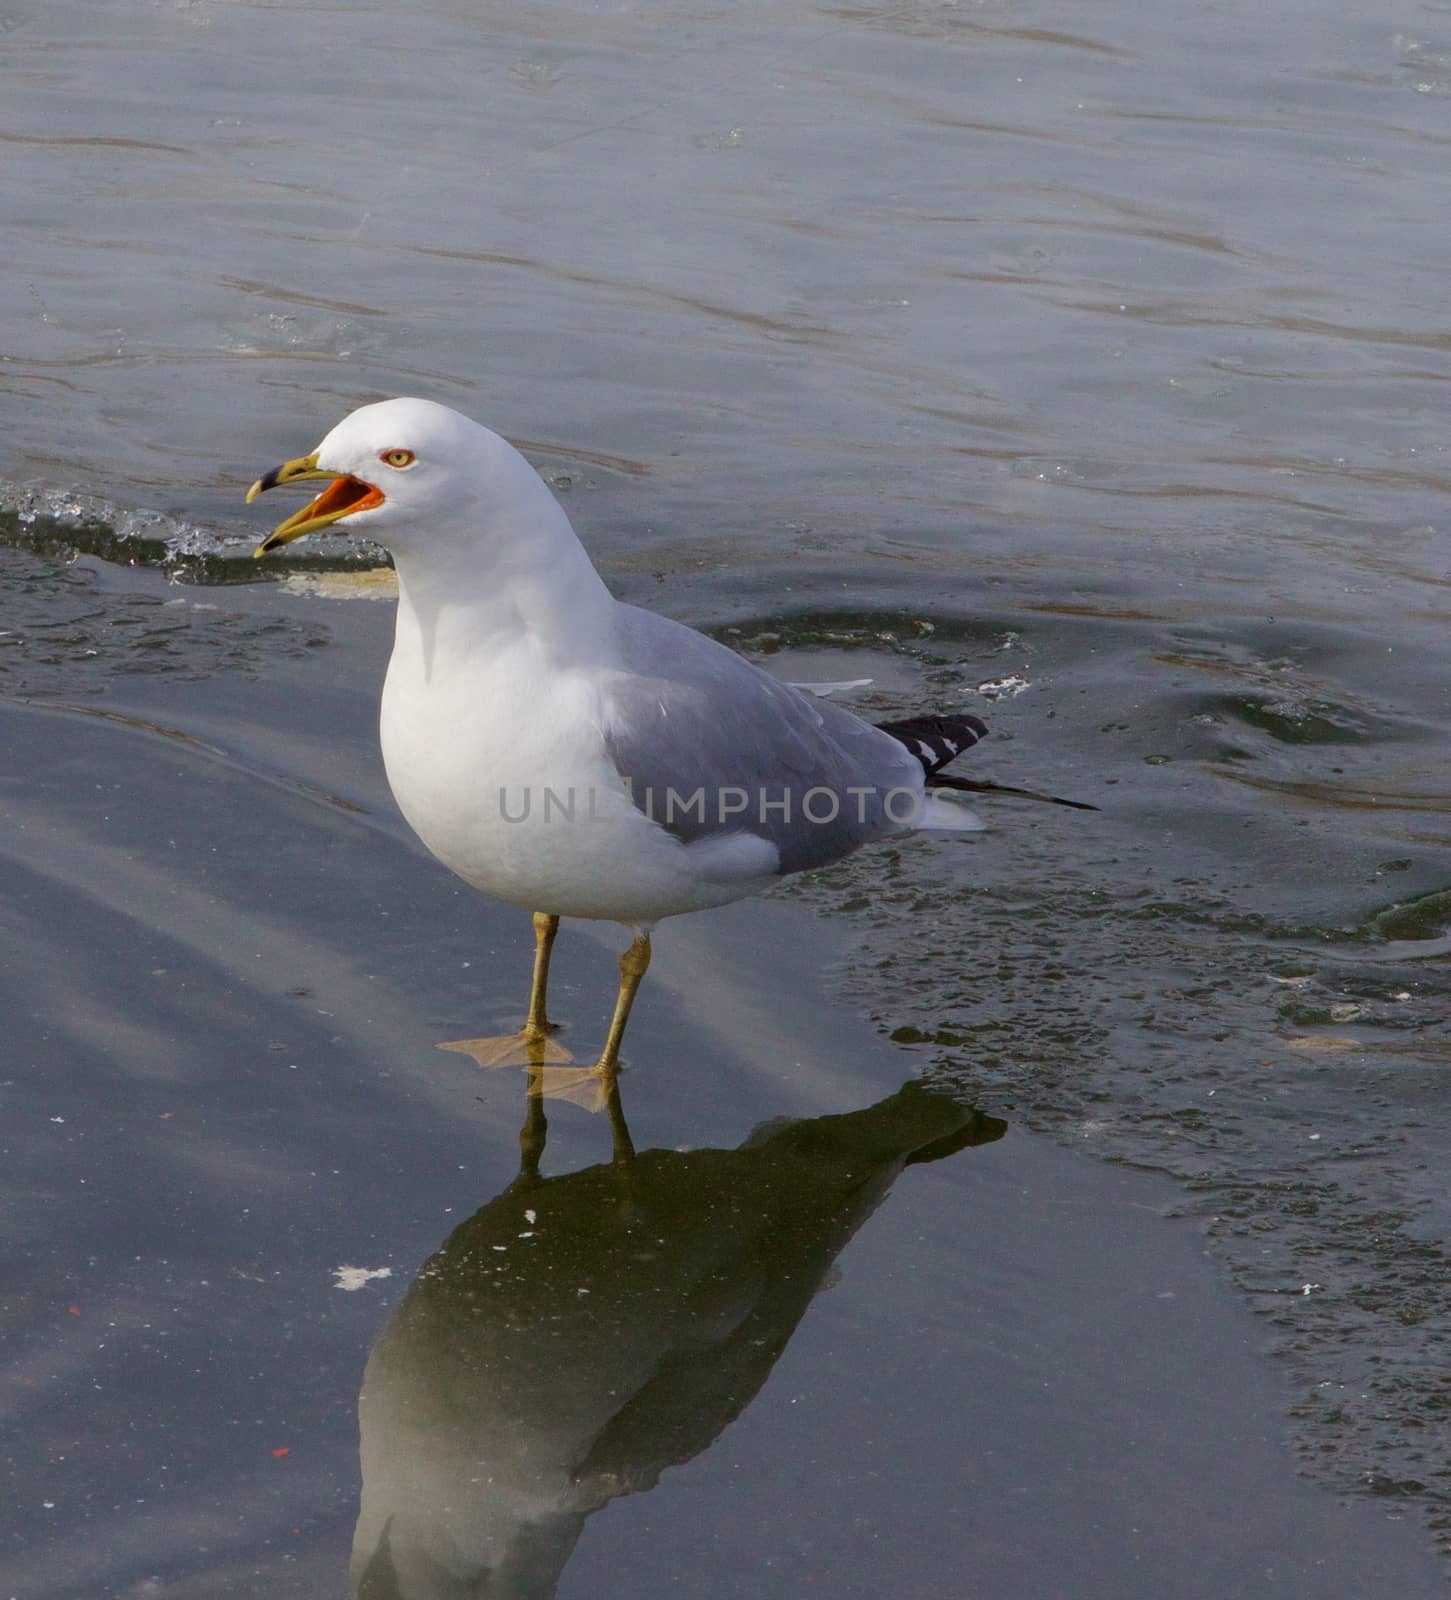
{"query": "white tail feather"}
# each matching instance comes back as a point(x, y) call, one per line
point(824, 691)
point(949, 815)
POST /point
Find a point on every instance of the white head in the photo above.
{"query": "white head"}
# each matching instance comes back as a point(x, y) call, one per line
point(410, 474)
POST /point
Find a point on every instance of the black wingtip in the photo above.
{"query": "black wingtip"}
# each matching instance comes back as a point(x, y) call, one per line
point(937, 741)
point(946, 780)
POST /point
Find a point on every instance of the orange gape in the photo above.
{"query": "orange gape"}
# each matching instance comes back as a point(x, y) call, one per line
point(343, 494)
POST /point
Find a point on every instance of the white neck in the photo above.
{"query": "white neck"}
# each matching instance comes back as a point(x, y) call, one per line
point(516, 571)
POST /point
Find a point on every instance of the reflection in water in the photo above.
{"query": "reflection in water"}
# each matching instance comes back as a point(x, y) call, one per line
point(580, 1334)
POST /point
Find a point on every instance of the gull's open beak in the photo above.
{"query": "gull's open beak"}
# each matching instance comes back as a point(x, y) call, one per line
point(342, 497)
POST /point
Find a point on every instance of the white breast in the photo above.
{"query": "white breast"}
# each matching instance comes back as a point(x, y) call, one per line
point(499, 765)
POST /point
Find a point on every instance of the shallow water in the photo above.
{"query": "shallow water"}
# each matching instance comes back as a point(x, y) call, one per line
point(837, 1331)
point(1080, 371)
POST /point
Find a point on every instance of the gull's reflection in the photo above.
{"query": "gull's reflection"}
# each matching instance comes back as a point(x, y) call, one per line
point(580, 1334)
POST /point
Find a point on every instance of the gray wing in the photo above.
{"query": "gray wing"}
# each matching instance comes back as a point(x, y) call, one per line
point(710, 745)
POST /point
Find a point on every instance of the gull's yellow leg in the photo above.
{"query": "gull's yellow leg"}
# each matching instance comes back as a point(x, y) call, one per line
point(531, 1046)
point(596, 1088)
point(546, 930)
point(634, 964)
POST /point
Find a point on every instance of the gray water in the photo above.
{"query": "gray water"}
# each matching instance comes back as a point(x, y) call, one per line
point(1081, 368)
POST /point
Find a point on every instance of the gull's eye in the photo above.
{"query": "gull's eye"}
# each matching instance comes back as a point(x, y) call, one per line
point(397, 458)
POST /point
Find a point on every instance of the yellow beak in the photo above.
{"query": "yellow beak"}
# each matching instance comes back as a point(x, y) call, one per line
point(343, 496)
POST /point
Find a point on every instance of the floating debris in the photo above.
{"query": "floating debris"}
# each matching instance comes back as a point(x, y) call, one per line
point(1002, 688)
point(351, 1278)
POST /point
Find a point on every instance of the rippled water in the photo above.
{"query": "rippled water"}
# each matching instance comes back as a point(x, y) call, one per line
point(1086, 367)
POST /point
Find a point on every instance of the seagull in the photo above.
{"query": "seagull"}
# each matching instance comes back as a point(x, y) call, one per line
point(576, 756)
